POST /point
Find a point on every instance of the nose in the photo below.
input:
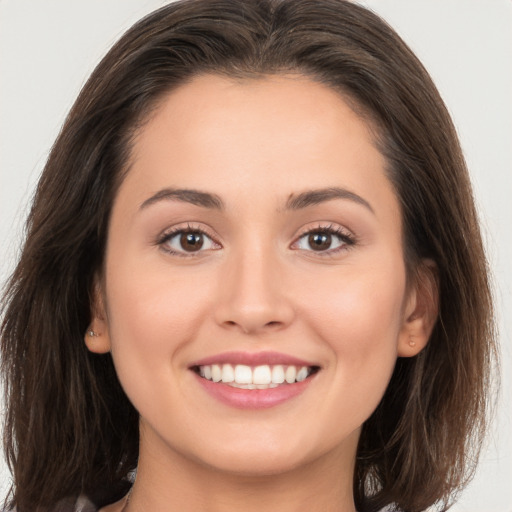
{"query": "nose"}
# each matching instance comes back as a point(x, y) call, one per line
point(252, 296)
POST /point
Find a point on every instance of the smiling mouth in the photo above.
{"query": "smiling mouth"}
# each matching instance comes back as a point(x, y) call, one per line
point(255, 377)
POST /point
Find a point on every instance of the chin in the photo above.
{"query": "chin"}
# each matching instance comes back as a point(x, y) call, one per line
point(260, 459)
point(258, 466)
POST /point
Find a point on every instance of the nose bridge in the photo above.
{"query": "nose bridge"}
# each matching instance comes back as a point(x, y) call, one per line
point(253, 295)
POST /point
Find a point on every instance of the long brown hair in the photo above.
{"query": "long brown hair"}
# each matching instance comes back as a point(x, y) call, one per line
point(69, 427)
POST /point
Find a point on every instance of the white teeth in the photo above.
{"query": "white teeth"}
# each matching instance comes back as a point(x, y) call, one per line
point(302, 374)
point(253, 386)
point(228, 375)
point(260, 377)
point(243, 374)
point(278, 374)
point(291, 373)
point(216, 373)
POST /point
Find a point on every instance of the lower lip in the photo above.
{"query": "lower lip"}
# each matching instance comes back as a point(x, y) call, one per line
point(254, 398)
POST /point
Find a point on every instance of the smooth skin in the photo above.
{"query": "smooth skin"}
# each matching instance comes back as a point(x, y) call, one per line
point(256, 283)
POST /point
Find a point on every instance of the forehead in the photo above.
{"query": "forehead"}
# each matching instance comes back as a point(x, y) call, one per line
point(210, 104)
point(276, 135)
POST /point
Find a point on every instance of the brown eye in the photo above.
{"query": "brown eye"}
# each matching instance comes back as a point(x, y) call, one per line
point(186, 242)
point(320, 241)
point(324, 240)
point(191, 241)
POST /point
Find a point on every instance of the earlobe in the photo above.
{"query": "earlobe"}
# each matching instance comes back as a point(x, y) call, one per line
point(96, 341)
point(421, 311)
point(97, 338)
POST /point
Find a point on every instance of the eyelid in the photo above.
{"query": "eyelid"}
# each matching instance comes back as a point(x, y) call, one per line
point(330, 227)
point(343, 233)
point(171, 232)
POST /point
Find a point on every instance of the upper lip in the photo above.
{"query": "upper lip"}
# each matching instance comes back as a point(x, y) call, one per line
point(252, 359)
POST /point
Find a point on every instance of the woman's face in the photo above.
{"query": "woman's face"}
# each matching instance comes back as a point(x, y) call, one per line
point(256, 237)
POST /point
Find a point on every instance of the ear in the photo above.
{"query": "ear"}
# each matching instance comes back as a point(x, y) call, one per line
point(97, 337)
point(421, 310)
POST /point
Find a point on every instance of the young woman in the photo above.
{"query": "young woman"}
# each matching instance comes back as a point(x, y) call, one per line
point(253, 276)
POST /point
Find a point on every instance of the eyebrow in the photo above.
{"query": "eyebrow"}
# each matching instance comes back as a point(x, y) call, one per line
point(318, 196)
point(294, 202)
point(196, 197)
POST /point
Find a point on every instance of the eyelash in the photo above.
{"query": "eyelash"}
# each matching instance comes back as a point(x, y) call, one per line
point(344, 236)
point(169, 235)
point(348, 239)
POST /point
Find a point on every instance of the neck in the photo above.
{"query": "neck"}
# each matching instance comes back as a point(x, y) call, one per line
point(176, 483)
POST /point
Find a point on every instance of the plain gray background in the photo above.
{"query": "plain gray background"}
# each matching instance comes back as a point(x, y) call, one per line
point(48, 49)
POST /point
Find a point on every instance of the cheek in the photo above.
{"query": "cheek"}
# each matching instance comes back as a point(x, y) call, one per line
point(366, 307)
point(152, 314)
point(359, 316)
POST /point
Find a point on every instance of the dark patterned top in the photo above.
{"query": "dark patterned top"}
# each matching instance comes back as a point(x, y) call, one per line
point(84, 505)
